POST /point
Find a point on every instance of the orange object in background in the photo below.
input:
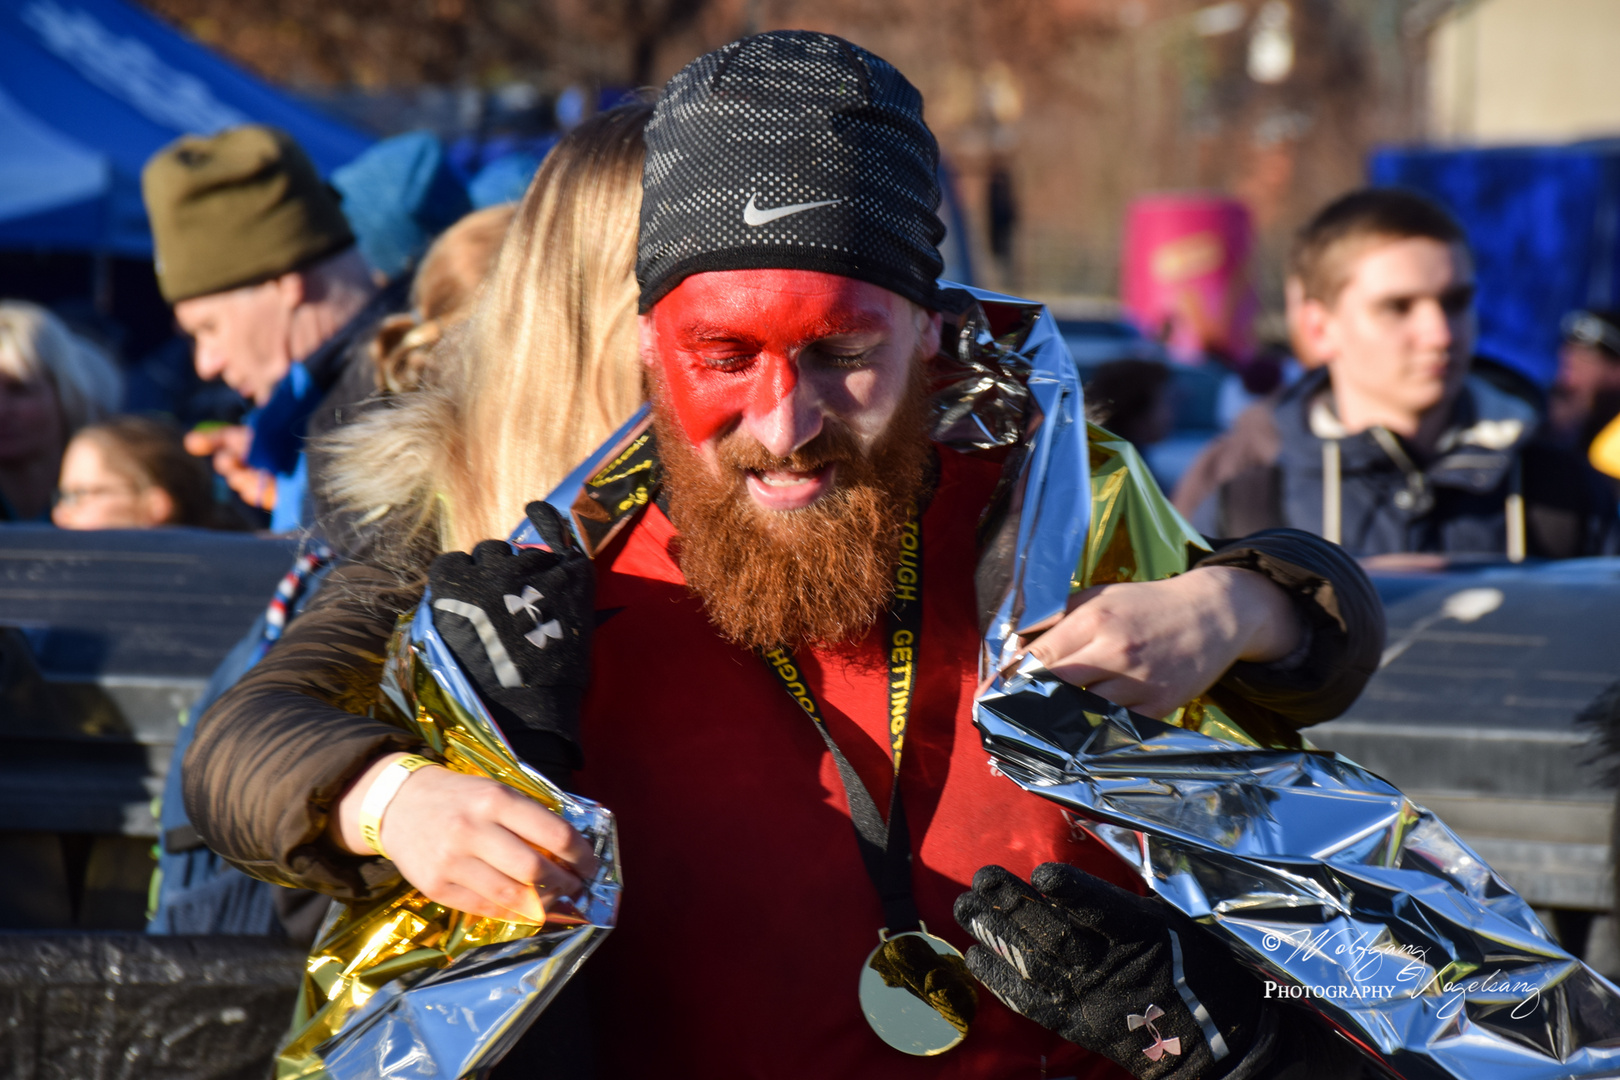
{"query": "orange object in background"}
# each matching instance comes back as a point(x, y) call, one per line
point(1604, 452)
point(1185, 275)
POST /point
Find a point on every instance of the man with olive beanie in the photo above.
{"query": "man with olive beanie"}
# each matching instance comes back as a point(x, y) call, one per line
point(766, 666)
point(254, 252)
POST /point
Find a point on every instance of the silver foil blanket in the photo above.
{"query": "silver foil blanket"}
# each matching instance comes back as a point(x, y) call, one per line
point(1322, 877)
point(400, 986)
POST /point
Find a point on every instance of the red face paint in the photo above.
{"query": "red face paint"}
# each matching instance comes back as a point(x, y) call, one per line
point(729, 341)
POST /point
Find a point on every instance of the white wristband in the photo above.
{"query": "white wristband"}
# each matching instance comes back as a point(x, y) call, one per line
point(381, 793)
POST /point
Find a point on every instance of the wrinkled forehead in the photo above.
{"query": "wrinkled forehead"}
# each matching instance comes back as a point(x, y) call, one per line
point(776, 307)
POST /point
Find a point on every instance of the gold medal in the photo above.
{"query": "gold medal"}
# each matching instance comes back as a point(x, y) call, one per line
point(917, 993)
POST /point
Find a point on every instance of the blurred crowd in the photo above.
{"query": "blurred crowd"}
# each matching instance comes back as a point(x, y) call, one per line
point(355, 279)
point(1375, 424)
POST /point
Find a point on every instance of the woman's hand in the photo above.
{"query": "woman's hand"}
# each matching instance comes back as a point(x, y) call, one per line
point(1153, 646)
point(471, 843)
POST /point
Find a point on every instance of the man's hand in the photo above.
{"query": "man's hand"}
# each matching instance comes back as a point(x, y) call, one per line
point(519, 623)
point(1153, 646)
point(227, 446)
point(471, 843)
point(1119, 974)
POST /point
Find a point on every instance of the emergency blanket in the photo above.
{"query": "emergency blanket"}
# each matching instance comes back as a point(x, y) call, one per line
point(400, 986)
point(1339, 891)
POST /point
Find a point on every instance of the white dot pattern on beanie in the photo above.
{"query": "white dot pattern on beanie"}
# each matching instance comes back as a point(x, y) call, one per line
point(792, 150)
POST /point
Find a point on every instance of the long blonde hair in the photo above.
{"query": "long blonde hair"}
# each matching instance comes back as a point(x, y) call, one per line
point(544, 371)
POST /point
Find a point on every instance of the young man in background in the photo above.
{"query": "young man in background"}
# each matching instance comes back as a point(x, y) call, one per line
point(1396, 444)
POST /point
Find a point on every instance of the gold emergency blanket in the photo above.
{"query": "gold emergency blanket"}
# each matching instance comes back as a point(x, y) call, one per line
point(418, 989)
point(1136, 535)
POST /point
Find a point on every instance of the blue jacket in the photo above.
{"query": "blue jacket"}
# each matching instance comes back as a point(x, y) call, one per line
point(319, 393)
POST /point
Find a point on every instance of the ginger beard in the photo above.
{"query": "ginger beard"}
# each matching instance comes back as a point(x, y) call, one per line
point(822, 575)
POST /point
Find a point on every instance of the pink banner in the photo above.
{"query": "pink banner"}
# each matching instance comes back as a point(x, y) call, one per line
point(1186, 275)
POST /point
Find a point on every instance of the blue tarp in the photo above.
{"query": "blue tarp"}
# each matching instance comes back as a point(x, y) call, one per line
point(89, 89)
point(1543, 223)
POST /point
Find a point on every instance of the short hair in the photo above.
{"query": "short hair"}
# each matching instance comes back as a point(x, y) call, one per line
point(1318, 260)
point(35, 344)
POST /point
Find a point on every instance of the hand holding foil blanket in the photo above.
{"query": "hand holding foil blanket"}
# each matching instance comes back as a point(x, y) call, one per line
point(1319, 875)
point(402, 987)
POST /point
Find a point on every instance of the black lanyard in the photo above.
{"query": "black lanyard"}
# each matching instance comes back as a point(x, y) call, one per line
point(885, 849)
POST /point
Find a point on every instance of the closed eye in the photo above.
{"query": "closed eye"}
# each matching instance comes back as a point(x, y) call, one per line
point(727, 364)
point(848, 361)
point(843, 355)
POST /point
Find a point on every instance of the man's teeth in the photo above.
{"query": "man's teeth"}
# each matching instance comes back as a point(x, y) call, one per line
point(784, 479)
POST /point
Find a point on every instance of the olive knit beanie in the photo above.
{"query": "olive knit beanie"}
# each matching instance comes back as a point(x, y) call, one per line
point(236, 208)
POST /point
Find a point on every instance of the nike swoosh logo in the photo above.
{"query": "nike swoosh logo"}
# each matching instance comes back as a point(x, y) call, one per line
point(754, 217)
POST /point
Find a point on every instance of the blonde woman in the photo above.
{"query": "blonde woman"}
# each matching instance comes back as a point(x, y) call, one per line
point(442, 295)
point(52, 383)
point(543, 371)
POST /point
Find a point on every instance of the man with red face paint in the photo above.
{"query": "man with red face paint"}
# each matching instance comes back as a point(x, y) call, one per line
point(796, 545)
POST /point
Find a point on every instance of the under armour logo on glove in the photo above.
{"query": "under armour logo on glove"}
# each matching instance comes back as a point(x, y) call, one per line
point(519, 622)
point(542, 632)
point(1161, 1045)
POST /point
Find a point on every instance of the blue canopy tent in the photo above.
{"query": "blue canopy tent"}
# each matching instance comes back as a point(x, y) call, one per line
point(1544, 224)
point(89, 89)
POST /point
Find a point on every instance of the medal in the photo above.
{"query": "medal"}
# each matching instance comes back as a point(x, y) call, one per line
point(915, 989)
point(917, 993)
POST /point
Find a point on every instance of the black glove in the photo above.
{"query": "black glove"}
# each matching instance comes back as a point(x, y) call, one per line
point(520, 625)
point(1112, 972)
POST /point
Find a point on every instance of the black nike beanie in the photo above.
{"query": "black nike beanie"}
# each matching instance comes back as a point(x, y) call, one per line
point(790, 150)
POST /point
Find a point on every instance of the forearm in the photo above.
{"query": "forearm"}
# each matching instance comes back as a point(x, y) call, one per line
point(276, 752)
point(1264, 617)
point(343, 824)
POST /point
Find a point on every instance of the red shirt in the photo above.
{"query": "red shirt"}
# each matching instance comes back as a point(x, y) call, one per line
point(747, 910)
